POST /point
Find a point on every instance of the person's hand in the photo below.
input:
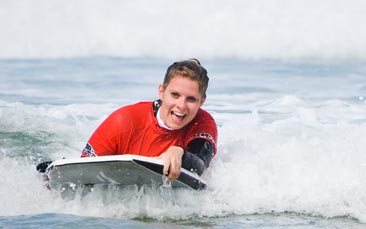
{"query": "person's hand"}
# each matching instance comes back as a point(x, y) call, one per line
point(172, 159)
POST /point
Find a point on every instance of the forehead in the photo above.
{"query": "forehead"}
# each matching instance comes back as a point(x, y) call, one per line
point(183, 84)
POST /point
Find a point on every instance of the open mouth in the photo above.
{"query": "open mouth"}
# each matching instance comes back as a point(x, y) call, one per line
point(178, 115)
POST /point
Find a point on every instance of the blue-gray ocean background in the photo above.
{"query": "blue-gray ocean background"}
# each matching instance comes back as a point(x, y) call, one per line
point(287, 89)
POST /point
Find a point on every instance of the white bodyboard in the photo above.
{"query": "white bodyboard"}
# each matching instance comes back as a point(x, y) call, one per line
point(115, 170)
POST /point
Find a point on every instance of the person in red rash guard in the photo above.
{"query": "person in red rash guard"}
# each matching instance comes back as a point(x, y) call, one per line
point(173, 128)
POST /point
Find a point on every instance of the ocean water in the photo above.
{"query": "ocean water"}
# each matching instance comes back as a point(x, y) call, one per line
point(291, 144)
point(287, 89)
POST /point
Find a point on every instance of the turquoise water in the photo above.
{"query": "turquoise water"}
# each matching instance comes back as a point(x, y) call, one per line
point(244, 221)
point(291, 148)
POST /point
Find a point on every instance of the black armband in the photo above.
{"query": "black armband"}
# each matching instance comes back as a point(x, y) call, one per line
point(197, 156)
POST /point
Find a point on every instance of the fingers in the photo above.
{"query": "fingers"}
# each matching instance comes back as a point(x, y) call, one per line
point(174, 171)
point(172, 160)
point(171, 168)
point(166, 167)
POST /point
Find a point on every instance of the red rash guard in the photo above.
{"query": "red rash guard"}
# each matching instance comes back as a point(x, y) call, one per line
point(134, 129)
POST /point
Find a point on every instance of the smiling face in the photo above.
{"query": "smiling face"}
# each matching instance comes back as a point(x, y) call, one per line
point(181, 100)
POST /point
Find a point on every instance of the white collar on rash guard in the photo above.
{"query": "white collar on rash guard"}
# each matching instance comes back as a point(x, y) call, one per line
point(160, 121)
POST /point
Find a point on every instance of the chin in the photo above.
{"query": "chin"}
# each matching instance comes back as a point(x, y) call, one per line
point(177, 127)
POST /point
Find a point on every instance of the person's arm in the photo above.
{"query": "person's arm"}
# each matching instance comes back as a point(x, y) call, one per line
point(198, 155)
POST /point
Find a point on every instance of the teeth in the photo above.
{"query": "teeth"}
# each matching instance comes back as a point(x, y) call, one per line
point(178, 114)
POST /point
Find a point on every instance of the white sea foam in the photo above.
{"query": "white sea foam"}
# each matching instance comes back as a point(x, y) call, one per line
point(296, 163)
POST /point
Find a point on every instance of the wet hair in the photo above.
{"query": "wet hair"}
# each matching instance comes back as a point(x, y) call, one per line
point(191, 69)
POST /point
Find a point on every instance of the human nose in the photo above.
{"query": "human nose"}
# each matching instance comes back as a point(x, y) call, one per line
point(181, 103)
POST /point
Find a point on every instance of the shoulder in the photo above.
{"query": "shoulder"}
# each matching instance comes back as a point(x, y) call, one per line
point(203, 123)
point(141, 106)
point(136, 106)
point(132, 112)
point(203, 126)
point(204, 116)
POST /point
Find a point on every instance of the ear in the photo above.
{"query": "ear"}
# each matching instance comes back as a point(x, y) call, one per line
point(161, 92)
point(203, 100)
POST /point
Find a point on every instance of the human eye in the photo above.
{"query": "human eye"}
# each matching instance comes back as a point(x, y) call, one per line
point(174, 94)
point(192, 99)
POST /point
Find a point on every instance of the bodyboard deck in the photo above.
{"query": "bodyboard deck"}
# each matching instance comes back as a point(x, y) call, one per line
point(116, 170)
